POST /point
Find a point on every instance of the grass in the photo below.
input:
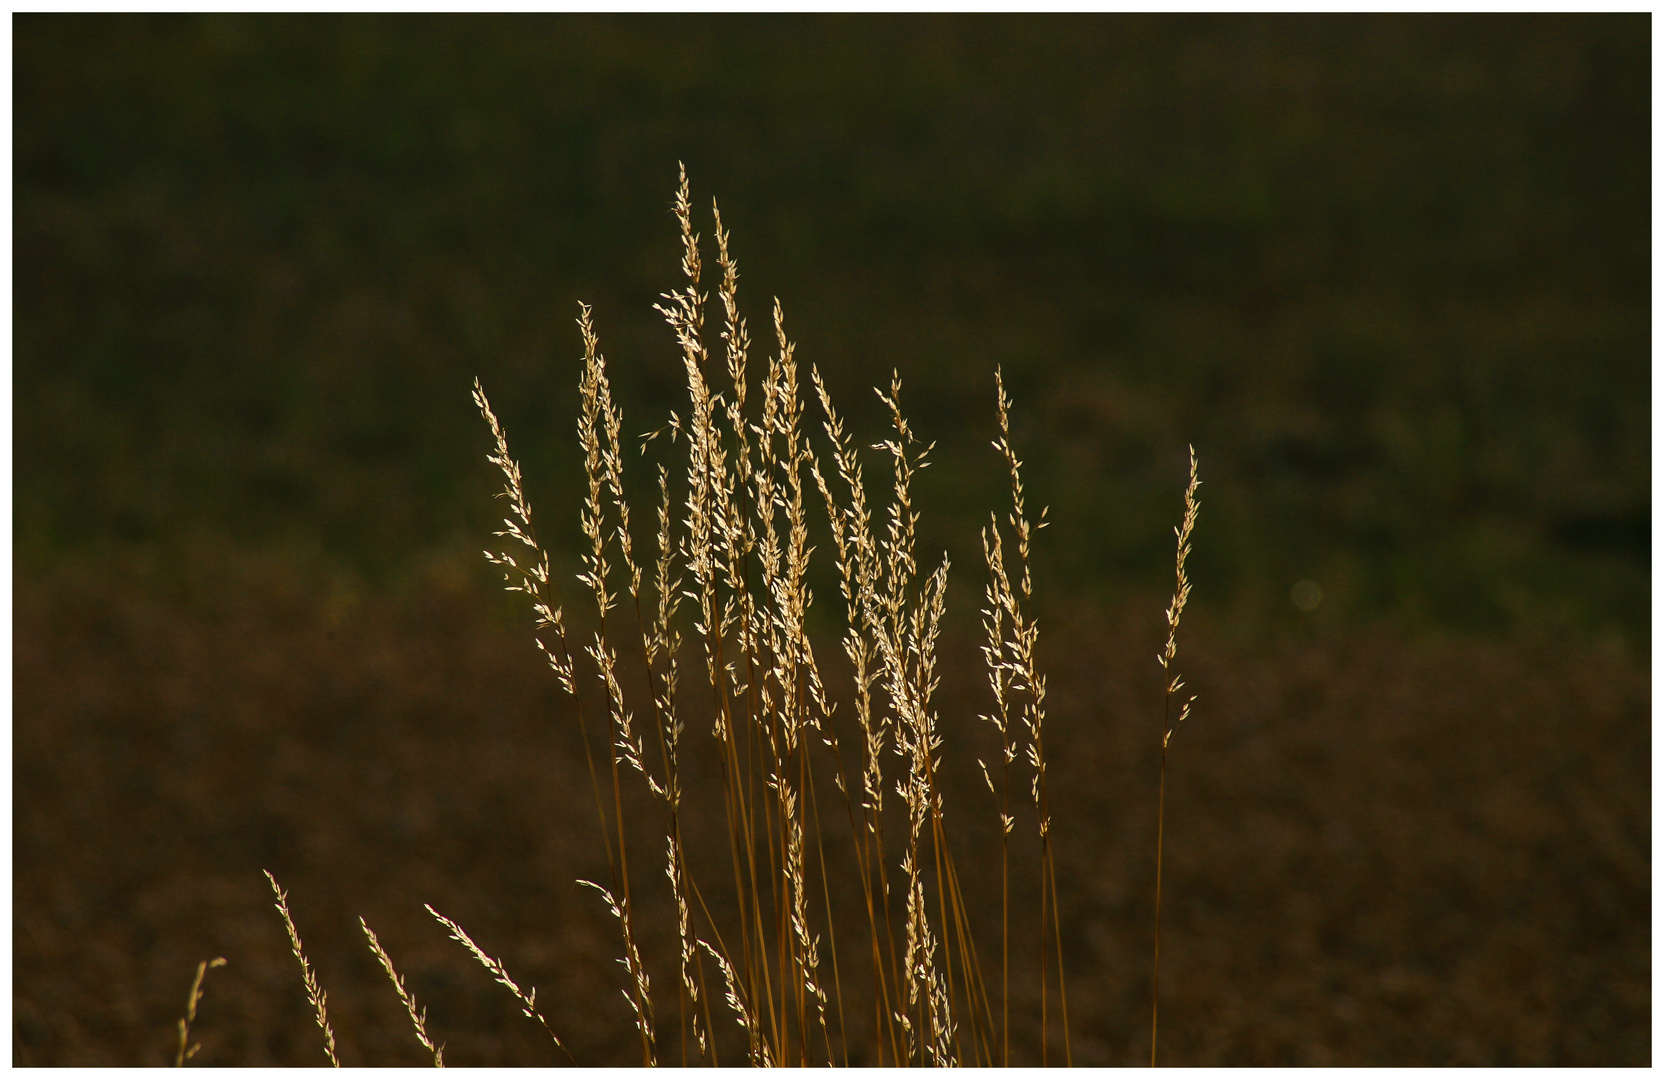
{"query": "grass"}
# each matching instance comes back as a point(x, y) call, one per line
point(765, 981)
point(188, 1049)
point(1174, 683)
point(418, 1018)
point(740, 555)
point(314, 993)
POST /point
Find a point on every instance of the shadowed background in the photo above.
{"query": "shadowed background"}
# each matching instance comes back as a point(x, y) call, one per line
point(1389, 276)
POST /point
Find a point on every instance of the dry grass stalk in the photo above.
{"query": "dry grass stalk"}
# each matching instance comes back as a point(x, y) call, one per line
point(858, 569)
point(528, 1001)
point(1020, 688)
point(187, 1049)
point(418, 1018)
point(1173, 683)
point(533, 580)
point(314, 993)
point(1013, 657)
point(603, 468)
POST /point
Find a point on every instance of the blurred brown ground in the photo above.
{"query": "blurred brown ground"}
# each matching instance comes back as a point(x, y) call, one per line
point(1381, 851)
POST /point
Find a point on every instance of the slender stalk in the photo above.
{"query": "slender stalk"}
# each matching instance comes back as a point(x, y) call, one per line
point(1045, 1028)
point(1062, 985)
point(1005, 949)
point(831, 932)
point(1155, 977)
point(1174, 683)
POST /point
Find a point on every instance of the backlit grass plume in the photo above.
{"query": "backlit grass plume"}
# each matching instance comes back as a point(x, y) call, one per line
point(718, 614)
point(735, 547)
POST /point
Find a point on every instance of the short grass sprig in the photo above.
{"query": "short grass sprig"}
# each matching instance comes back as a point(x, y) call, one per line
point(418, 1018)
point(528, 1001)
point(188, 1049)
point(314, 993)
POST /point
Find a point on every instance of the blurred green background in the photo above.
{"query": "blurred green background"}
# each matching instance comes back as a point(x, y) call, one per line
point(1390, 276)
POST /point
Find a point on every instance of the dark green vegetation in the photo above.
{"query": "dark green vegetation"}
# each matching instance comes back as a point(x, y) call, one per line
point(1389, 275)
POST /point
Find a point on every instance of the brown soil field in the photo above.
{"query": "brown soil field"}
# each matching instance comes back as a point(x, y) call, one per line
point(1380, 850)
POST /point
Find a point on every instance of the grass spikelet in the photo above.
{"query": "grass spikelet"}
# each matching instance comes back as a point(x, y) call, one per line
point(642, 1000)
point(528, 1001)
point(418, 1018)
point(761, 1055)
point(314, 993)
point(187, 1049)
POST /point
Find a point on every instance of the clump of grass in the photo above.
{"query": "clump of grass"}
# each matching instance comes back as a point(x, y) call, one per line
point(732, 544)
point(735, 547)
